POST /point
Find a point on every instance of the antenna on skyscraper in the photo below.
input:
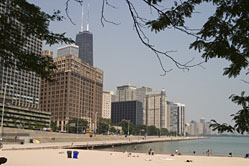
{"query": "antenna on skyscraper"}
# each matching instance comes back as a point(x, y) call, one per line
point(87, 20)
point(82, 21)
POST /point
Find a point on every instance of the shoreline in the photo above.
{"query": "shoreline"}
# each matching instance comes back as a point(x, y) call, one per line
point(58, 157)
point(118, 141)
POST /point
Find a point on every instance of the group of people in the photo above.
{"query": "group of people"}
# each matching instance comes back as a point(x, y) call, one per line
point(151, 152)
point(208, 152)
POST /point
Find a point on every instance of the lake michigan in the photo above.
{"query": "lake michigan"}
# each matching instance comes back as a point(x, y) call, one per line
point(218, 146)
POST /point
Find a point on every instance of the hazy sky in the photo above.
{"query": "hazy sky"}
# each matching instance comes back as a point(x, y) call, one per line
point(124, 59)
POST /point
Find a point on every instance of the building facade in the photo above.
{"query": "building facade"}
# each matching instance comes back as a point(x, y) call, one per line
point(127, 110)
point(84, 40)
point(76, 92)
point(200, 128)
point(140, 95)
point(126, 93)
point(21, 88)
point(173, 117)
point(68, 50)
point(106, 105)
point(176, 112)
point(155, 106)
point(181, 118)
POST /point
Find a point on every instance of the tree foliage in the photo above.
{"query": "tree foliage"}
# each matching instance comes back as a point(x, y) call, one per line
point(54, 127)
point(224, 35)
point(241, 118)
point(152, 130)
point(125, 124)
point(77, 125)
point(140, 129)
point(103, 125)
point(164, 131)
point(21, 21)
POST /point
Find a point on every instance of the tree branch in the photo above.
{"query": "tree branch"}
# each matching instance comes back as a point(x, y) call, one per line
point(103, 18)
point(67, 11)
point(138, 24)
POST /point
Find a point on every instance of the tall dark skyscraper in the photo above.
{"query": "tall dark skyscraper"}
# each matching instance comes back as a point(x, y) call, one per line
point(85, 42)
point(84, 39)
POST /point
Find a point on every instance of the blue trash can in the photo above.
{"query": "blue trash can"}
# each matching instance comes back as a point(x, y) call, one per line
point(75, 154)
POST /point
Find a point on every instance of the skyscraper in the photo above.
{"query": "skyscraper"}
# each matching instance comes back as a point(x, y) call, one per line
point(127, 110)
point(181, 118)
point(68, 50)
point(173, 116)
point(77, 92)
point(126, 93)
point(84, 39)
point(155, 106)
point(19, 89)
point(140, 95)
point(106, 105)
point(85, 42)
point(177, 117)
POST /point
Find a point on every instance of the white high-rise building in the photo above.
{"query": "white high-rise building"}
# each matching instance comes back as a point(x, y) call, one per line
point(140, 95)
point(126, 93)
point(106, 105)
point(172, 112)
point(68, 50)
point(155, 105)
point(181, 118)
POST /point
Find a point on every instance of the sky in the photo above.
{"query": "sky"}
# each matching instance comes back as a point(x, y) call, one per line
point(124, 59)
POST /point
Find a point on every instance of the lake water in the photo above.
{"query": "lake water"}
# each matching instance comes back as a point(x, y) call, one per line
point(220, 146)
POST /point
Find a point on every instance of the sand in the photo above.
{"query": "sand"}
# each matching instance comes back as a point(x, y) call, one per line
point(58, 157)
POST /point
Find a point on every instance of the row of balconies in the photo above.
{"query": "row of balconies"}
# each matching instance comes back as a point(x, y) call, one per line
point(28, 114)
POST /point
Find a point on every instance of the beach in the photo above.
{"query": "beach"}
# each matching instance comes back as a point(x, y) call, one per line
point(58, 157)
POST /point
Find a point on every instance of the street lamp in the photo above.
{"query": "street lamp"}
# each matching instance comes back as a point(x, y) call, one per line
point(5, 87)
point(128, 127)
point(95, 125)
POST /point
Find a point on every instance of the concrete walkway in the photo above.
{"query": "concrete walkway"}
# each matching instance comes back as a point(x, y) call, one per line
point(90, 144)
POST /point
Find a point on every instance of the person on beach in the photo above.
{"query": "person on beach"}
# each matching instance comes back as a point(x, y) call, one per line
point(230, 154)
point(150, 151)
point(207, 152)
point(193, 152)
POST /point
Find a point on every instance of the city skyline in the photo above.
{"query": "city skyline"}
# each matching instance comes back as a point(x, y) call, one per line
point(122, 57)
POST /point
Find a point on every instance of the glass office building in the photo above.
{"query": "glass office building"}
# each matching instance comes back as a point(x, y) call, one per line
point(84, 40)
